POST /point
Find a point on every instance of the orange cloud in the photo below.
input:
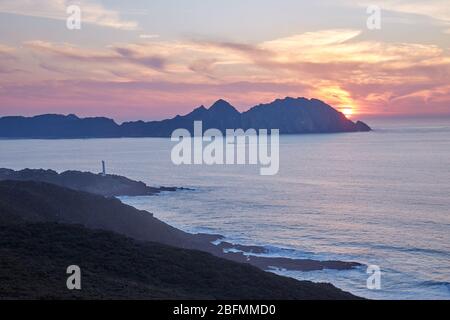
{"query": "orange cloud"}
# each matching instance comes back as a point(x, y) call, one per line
point(333, 65)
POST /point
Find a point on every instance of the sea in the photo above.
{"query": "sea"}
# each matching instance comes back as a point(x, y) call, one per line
point(381, 198)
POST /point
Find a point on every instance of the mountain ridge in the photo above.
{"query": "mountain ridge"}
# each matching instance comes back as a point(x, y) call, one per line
point(289, 115)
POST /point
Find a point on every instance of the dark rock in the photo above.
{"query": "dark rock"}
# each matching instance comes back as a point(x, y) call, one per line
point(247, 249)
point(362, 126)
point(108, 185)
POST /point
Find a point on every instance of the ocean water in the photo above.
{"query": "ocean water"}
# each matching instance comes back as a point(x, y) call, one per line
point(379, 198)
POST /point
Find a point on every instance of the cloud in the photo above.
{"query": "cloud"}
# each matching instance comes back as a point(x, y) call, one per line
point(7, 52)
point(341, 66)
point(108, 58)
point(8, 60)
point(313, 39)
point(91, 13)
point(436, 9)
point(335, 65)
point(151, 61)
point(133, 99)
point(149, 36)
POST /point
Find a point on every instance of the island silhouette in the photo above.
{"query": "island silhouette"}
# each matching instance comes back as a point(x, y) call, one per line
point(289, 115)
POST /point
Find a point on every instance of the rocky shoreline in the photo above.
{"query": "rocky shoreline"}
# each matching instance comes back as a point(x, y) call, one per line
point(105, 185)
point(126, 253)
point(114, 185)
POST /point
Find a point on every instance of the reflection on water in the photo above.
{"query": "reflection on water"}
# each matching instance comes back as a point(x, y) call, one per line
point(379, 198)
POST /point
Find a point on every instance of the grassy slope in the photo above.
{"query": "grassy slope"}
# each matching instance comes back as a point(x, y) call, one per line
point(35, 257)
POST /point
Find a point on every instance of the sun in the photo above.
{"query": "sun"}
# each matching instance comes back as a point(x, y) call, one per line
point(347, 111)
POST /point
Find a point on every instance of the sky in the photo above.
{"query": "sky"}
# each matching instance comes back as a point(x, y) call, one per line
point(158, 58)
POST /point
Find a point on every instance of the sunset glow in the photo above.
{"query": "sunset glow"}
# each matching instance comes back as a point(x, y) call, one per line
point(140, 62)
point(348, 112)
point(263, 152)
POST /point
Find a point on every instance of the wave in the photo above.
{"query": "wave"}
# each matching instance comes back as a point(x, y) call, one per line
point(398, 248)
point(432, 283)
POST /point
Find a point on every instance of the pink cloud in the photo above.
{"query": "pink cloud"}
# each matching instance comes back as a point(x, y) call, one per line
point(163, 78)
